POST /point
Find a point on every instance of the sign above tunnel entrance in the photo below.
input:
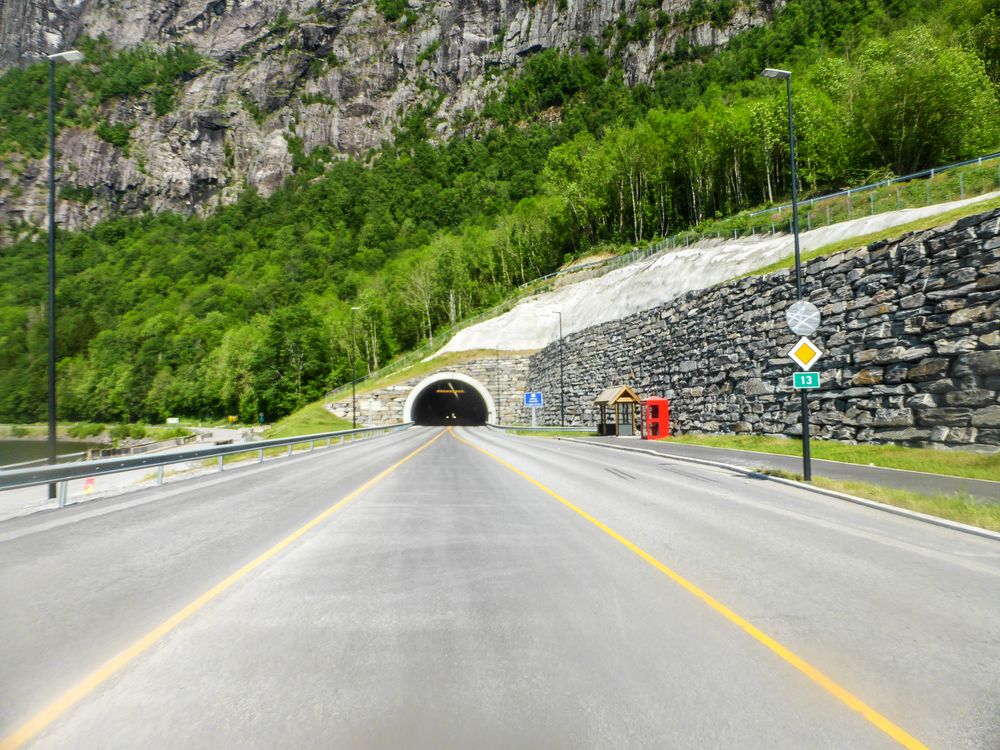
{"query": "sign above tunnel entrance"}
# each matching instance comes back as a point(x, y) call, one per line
point(533, 399)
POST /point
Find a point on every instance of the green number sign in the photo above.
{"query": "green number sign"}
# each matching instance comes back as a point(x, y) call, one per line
point(805, 380)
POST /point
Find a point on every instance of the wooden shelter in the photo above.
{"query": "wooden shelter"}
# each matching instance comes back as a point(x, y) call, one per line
point(619, 411)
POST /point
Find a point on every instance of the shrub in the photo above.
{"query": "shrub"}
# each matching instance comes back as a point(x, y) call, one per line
point(85, 430)
point(119, 432)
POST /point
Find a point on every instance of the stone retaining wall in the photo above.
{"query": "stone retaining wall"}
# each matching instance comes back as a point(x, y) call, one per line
point(910, 333)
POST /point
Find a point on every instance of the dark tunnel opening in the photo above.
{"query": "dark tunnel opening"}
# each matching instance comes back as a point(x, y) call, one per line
point(446, 402)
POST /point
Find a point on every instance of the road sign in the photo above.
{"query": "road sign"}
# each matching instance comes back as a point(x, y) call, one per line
point(805, 380)
point(803, 318)
point(533, 399)
point(805, 353)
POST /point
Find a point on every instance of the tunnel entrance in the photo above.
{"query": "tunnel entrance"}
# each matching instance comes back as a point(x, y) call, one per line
point(449, 398)
point(449, 402)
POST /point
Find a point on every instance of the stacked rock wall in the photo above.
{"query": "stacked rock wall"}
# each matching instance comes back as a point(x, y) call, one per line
point(910, 333)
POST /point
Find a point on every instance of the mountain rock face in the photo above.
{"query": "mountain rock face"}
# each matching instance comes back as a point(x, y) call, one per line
point(335, 73)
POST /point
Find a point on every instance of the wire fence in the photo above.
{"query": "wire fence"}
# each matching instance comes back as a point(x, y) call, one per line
point(964, 179)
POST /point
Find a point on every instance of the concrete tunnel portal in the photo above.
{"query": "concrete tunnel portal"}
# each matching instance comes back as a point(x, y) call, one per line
point(449, 398)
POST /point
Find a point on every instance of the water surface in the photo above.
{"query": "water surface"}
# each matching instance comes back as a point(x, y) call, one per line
point(16, 451)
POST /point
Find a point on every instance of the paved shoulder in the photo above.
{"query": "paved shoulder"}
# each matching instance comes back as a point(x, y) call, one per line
point(914, 481)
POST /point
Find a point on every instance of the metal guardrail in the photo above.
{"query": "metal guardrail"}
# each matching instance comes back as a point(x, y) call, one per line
point(63, 473)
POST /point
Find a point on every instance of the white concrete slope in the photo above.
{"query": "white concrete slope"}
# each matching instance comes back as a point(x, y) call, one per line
point(532, 324)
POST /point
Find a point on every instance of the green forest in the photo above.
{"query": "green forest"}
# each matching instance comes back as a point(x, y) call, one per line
point(248, 310)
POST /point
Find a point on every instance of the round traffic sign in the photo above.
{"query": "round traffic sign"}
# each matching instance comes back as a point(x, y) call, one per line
point(803, 318)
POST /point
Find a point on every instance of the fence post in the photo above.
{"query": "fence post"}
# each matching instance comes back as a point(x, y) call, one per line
point(898, 205)
point(221, 462)
point(289, 450)
point(828, 214)
point(260, 456)
point(312, 445)
point(159, 475)
point(62, 492)
point(871, 200)
point(850, 207)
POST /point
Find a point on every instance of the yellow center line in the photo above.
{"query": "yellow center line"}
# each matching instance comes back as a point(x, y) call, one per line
point(95, 679)
point(843, 695)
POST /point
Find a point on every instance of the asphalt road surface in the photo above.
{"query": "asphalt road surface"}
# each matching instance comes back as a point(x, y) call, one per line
point(465, 589)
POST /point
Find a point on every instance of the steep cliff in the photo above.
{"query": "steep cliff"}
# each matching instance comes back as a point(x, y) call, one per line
point(281, 76)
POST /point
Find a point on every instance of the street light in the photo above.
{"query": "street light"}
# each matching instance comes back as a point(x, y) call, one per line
point(786, 75)
point(354, 398)
point(69, 56)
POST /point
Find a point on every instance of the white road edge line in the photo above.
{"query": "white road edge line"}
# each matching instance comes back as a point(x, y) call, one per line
point(912, 514)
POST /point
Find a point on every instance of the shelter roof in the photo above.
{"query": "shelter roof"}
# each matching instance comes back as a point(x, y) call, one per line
point(617, 394)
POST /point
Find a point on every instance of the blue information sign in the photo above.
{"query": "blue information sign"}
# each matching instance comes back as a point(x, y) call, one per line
point(533, 399)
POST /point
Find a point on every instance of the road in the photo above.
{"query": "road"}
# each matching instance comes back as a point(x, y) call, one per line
point(438, 589)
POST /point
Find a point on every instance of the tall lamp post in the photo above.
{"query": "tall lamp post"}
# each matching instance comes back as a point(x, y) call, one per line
point(786, 75)
point(354, 398)
point(69, 56)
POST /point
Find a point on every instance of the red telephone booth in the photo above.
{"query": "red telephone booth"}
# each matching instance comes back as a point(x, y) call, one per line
point(657, 418)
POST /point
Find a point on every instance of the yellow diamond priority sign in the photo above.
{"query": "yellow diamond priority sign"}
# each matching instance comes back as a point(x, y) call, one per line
point(805, 353)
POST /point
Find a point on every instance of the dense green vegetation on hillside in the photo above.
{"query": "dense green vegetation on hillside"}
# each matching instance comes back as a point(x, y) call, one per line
point(24, 92)
point(249, 310)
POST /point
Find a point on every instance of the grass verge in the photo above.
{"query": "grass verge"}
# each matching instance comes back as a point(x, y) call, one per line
point(891, 233)
point(309, 420)
point(958, 507)
point(950, 463)
point(549, 434)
